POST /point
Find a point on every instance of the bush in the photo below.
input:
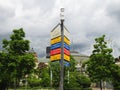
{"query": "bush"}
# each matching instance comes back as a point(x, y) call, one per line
point(86, 88)
point(34, 82)
point(116, 85)
point(72, 82)
point(83, 81)
point(77, 82)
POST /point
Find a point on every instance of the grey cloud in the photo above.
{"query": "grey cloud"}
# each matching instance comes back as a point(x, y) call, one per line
point(80, 47)
point(85, 20)
point(5, 13)
point(113, 10)
point(40, 44)
point(46, 5)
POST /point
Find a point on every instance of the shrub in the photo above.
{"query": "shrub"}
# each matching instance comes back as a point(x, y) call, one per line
point(83, 81)
point(77, 81)
point(34, 82)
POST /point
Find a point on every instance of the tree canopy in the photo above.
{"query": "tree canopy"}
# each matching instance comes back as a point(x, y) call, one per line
point(101, 61)
point(15, 60)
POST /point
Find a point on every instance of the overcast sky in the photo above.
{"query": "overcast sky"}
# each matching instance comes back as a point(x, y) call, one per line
point(85, 20)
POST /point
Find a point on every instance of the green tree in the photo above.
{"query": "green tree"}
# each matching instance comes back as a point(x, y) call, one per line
point(72, 84)
point(45, 77)
point(115, 77)
point(101, 60)
point(4, 71)
point(72, 62)
point(83, 81)
point(43, 74)
point(55, 67)
point(19, 61)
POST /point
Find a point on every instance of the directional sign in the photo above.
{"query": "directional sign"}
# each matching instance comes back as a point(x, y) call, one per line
point(55, 51)
point(66, 40)
point(56, 32)
point(58, 57)
point(67, 52)
point(55, 40)
point(66, 46)
point(58, 39)
point(66, 57)
point(67, 64)
point(54, 46)
point(66, 33)
point(58, 45)
point(58, 51)
point(55, 57)
point(48, 52)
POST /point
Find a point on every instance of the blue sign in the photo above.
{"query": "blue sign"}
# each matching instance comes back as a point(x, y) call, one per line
point(67, 64)
point(66, 46)
point(54, 46)
point(58, 45)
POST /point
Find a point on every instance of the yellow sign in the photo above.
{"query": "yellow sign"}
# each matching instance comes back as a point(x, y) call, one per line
point(67, 41)
point(55, 57)
point(58, 57)
point(58, 39)
point(66, 57)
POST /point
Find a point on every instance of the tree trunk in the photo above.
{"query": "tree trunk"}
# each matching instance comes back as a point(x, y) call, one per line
point(3, 85)
point(100, 84)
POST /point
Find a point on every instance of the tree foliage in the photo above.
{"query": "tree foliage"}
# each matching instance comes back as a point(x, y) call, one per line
point(55, 68)
point(17, 45)
point(15, 60)
point(73, 80)
point(100, 62)
point(115, 69)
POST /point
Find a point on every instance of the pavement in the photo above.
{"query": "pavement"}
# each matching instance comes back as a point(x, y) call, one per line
point(99, 89)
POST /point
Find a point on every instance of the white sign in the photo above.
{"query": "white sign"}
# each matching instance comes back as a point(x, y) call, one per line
point(56, 32)
point(66, 33)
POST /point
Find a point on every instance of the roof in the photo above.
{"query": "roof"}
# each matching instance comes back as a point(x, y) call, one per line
point(44, 59)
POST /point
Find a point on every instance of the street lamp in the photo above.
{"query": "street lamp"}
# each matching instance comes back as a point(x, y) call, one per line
point(26, 81)
point(78, 66)
point(62, 14)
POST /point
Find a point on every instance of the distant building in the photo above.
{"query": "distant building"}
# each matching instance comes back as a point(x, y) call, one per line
point(35, 56)
point(117, 61)
point(79, 57)
point(44, 60)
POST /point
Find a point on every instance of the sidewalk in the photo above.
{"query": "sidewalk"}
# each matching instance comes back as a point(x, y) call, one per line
point(99, 89)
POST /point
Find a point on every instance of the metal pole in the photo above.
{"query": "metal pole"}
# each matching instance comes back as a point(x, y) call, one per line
point(51, 77)
point(62, 51)
point(25, 83)
point(68, 76)
point(62, 57)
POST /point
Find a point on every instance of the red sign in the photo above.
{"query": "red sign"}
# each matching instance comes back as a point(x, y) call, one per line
point(58, 51)
point(55, 51)
point(67, 52)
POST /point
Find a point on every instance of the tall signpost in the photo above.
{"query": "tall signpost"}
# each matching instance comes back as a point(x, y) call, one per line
point(60, 46)
point(62, 50)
